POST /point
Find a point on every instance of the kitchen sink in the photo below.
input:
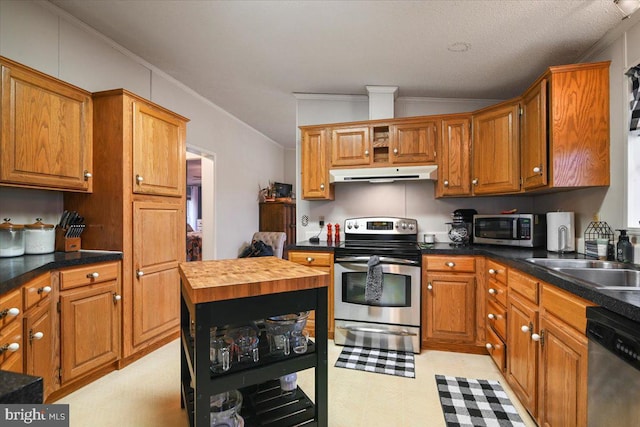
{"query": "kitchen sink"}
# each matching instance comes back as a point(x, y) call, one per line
point(556, 263)
point(605, 275)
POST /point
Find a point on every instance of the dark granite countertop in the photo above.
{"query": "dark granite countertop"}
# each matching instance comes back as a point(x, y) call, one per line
point(20, 388)
point(625, 303)
point(16, 271)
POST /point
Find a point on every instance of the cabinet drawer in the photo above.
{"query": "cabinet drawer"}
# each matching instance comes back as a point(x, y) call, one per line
point(497, 291)
point(11, 335)
point(497, 318)
point(525, 285)
point(94, 273)
point(458, 264)
point(311, 258)
point(9, 303)
point(36, 290)
point(496, 271)
point(497, 349)
point(568, 308)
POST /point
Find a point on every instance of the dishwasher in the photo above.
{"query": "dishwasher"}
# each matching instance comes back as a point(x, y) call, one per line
point(613, 382)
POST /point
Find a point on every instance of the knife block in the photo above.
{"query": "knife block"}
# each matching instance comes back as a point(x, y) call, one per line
point(66, 244)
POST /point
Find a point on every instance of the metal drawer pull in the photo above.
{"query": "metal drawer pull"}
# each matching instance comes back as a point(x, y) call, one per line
point(44, 290)
point(93, 275)
point(35, 335)
point(309, 259)
point(489, 346)
point(492, 271)
point(492, 291)
point(13, 347)
point(450, 264)
point(13, 311)
point(491, 316)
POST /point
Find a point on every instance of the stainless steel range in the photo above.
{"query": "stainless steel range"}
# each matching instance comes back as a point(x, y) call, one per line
point(391, 321)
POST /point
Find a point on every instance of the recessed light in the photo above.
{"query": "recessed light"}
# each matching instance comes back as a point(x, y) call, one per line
point(459, 47)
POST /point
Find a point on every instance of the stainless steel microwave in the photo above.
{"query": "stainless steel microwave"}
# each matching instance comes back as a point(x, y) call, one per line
point(525, 230)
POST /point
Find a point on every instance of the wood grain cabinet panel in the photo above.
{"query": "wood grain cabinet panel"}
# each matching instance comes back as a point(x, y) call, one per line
point(454, 161)
point(413, 142)
point(11, 357)
point(46, 138)
point(315, 165)
point(278, 216)
point(39, 346)
point(351, 147)
point(533, 137)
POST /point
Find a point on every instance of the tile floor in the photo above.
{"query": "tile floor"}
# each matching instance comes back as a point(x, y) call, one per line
point(146, 393)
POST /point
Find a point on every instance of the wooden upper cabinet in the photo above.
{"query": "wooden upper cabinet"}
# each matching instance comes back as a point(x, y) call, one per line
point(533, 137)
point(351, 147)
point(454, 162)
point(579, 125)
point(496, 161)
point(315, 165)
point(413, 142)
point(158, 151)
point(46, 134)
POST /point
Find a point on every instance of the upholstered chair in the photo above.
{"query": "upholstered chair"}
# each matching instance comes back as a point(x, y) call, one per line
point(275, 239)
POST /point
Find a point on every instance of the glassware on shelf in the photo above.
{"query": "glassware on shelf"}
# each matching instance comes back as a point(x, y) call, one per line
point(280, 328)
point(225, 409)
point(245, 343)
point(220, 353)
point(299, 341)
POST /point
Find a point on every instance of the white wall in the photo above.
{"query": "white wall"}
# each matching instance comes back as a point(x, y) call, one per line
point(41, 36)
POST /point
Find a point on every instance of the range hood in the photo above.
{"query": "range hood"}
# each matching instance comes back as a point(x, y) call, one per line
point(388, 174)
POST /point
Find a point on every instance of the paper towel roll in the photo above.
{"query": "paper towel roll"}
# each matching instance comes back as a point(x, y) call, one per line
point(561, 232)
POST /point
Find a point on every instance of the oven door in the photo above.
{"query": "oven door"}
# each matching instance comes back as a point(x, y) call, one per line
point(400, 300)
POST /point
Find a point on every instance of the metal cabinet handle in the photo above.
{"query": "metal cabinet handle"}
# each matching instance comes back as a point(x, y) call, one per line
point(13, 347)
point(93, 275)
point(492, 271)
point(450, 264)
point(491, 316)
point(430, 286)
point(537, 169)
point(366, 153)
point(87, 175)
point(13, 311)
point(116, 297)
point(139, 273)
point(489, 346)
point(35, 335)
point(475, 181)
point(139, 179)
point(44, 290)
point(492, 291)
point(322, 186)
point(445, 183)
point(309, 259)
point(395, 151)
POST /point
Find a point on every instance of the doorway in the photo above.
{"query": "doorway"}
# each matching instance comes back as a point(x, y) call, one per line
point(200, 206)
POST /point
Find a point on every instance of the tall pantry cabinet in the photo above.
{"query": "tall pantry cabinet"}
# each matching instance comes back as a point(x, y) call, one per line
point(138, 207)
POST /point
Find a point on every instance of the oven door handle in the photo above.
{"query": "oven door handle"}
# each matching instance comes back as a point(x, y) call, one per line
point(403, 333)
point(365, 259)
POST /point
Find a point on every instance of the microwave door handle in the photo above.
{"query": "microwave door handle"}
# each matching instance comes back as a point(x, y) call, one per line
point(516, 225)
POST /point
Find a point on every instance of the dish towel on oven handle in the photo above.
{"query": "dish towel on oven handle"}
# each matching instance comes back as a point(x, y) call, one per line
point(373, 286)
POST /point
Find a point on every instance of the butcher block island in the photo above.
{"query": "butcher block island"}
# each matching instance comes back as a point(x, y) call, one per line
point(222, 297)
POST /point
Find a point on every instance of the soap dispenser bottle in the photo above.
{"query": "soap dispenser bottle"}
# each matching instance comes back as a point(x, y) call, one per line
point(624, 249)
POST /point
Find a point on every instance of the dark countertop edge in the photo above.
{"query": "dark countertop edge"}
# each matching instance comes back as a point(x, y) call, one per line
point(16, 271)
point(625, 303)
point(306, 245)
point(20, 388)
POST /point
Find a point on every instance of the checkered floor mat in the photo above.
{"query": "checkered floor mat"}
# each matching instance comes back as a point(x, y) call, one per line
point(374, 360)
point(469, 402)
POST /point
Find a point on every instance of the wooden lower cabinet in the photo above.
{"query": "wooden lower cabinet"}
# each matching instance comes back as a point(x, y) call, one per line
point(39, 346)
point(11, 346)
point(322, 261)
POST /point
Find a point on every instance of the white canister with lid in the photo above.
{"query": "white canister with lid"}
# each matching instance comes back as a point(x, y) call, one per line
point(39, 238)
point(11, 239)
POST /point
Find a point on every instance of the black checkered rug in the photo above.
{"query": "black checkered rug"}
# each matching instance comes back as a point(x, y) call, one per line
point(469, 402)
point(375, 360)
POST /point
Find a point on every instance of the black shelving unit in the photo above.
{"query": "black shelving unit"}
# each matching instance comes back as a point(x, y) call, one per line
point(264, 404)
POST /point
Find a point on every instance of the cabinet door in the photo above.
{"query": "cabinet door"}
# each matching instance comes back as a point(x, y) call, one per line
point(496, 161)
point(454, 161)
point(89, 328)
point(534, 137)
point(449, 313)
point(351, 147)
point(522, 357)
point(158, 247)
point(38, 333)
point(11, 347)
point(315, 165)
point(46, 138)
point(563, 378)
point(158, 152)
point(414, 142)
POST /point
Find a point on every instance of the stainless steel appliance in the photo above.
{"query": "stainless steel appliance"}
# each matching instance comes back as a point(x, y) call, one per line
point(613, 384)
point(525, 230)
point(393, 322)
point(561, 232)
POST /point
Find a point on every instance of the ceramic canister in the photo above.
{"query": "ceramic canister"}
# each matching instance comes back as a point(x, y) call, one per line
point(561, 232)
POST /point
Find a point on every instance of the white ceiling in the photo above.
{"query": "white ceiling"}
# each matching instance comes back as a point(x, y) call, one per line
point(250, 57)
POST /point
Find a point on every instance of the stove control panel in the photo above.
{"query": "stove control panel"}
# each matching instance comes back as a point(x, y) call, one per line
point(380, 225)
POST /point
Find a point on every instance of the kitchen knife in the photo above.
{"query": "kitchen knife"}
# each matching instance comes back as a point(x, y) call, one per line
point(63, 218)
